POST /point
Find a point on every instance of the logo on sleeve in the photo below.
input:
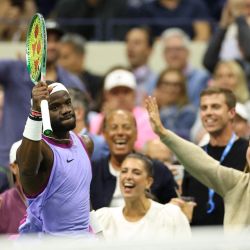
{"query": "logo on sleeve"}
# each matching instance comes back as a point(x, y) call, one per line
point(69, 160)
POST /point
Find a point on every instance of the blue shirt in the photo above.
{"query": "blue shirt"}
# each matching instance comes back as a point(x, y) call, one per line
point(182, 16)
point(197, 80)
point(146, 81)
point(179, 120)
point(17, 94)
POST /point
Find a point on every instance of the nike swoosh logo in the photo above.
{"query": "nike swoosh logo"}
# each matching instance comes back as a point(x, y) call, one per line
point(69, 160)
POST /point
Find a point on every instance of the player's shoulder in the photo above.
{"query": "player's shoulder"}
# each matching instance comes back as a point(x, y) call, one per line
point(88, 143)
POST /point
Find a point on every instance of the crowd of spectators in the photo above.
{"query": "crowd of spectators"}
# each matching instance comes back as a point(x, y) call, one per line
point(209, 106)
point(111, 19)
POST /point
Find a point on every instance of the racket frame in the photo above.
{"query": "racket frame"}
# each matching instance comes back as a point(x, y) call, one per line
point(41, 74)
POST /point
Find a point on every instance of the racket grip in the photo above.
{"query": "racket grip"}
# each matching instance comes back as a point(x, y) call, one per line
point(47, 130)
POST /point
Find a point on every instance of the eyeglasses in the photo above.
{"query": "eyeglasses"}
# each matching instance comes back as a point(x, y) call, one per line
point(175, 49)
point(172, 83)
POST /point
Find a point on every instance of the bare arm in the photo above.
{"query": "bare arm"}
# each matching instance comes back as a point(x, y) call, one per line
point(244, 36)
point(34, 157)
point(211, 56)
point(88, 144)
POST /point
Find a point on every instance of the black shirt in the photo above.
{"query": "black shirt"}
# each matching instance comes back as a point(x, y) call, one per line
point(103, 183)
point(236, 158)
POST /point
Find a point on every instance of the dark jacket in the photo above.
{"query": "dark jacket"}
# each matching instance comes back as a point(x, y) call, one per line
point(235, 158)
point(103, 183)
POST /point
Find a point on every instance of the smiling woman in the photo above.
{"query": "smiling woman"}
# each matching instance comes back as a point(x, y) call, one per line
point(176, 112)
point(141, 217)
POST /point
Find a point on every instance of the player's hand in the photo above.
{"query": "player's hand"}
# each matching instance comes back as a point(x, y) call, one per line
point(39, 92)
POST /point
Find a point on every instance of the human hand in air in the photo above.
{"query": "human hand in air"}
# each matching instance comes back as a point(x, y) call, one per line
point(154, 116)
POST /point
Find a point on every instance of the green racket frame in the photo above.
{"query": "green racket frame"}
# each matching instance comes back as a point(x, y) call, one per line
point(36, 65)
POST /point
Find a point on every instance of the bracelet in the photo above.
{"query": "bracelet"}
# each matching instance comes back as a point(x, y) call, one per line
point(35, 113)
point(35, 118)
point(33, 129)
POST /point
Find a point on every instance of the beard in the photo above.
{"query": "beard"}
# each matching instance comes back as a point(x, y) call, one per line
point(59, 126)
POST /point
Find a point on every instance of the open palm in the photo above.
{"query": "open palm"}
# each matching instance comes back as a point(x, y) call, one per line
point(154, 115)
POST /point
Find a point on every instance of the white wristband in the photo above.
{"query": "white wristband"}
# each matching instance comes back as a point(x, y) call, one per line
point(33, 130)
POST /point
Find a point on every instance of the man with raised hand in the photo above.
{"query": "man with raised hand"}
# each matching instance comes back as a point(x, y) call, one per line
point(231, 184)
point(55, 171)
point(217, 112)
point(17, 87)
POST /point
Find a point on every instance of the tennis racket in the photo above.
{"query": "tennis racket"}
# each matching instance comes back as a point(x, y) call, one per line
point(36, 57)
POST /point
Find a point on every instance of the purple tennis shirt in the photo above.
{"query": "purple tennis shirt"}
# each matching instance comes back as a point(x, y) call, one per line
point(64, 205)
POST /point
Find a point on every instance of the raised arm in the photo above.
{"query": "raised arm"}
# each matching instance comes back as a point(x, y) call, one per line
point(211, 56)
point(193, 158)
point(244, 36)
point(34, 157)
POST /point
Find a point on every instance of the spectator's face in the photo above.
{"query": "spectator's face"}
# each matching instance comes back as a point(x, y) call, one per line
point(158, 150)
point(241, 127)
point(175, 53)
point(120, 133)
point(225, 78)
point(4, 8)
point(52, 47)
point(215, 114)
point(138, 49)
point(247, 8)
point(134, 179)
point(169, 91)
point(120, 98)
point(12, 14)
point(61, 112)
point(70, 59)
point(9, 11)
point(240, 7)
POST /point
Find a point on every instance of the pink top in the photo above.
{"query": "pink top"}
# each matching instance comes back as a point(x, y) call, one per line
point(12, 211)
point(144, 130)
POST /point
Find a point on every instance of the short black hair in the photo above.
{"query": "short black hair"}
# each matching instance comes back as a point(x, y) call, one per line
point(147, 30)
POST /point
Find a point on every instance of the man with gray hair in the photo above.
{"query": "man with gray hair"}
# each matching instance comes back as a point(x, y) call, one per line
point(72, 58)
point(176, 55)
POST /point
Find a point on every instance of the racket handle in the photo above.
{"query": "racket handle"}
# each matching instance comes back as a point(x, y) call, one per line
point(47, 130)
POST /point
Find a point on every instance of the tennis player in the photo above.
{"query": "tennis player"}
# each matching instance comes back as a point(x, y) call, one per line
point(55, 171)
